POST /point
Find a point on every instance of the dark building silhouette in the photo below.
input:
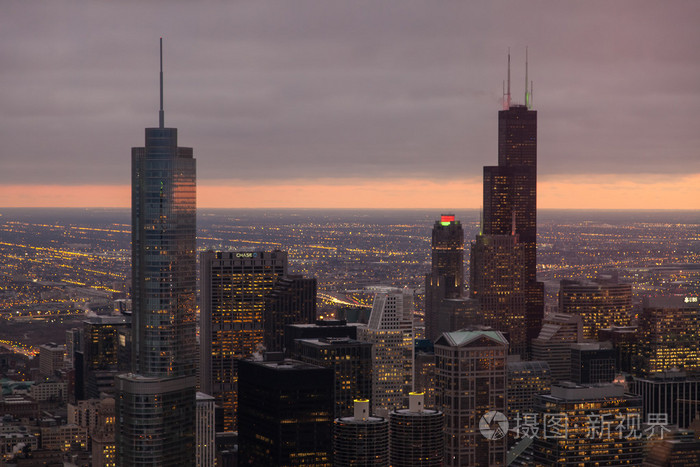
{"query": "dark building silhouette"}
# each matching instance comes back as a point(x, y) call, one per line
point(446, 278)
point(593, 362)
point(234, 286)
point(101, 353)
point(291, 301)
point(510, 197)
point(350, 360)
point(285, 411)
point(321, 328)
point(156, 403)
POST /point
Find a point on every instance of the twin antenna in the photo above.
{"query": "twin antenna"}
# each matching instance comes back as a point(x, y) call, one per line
point(161, 115)
point(506, 91)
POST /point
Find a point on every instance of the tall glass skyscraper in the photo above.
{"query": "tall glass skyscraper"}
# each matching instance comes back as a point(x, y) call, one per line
point(156, 402)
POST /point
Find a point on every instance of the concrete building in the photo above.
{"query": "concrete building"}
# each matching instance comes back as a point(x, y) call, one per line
point(553, 345)
point(417, 437)
point(51, 358)
point(205, 432)
point(361, 439)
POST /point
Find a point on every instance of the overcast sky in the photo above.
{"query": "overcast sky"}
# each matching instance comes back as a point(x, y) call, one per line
point(277, 91)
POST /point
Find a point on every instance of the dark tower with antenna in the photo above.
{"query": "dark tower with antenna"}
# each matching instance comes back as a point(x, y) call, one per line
point(156, 403)
point(510, 195)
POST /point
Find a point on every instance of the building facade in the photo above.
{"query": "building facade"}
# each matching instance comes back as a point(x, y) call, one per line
point(155, 403)
point(233, 290)
point(417, 437)
point(471, 382)
point(361, 439)
point(292, 300)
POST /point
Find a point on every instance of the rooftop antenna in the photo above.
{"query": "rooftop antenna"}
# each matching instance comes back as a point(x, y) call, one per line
point(161, 115)
point(503, 96)
point(531, 94)
point(527, 95)
point(508, 94)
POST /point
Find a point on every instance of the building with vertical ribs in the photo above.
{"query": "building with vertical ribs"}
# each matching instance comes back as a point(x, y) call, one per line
point(234, 286)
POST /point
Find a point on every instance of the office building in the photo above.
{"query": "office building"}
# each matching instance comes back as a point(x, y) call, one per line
point(74, 343)
point(471, 381)
point(593, 362)
point(668, 329)
point(601, 304)
point(417, 437)
point(670, 392)
point(292, 300)
point(101, 353)
point(679, 448)
point(510, 196)
point(525, 381)
point(588, 425)
point(205, 432)
point(424, 371)
point(233, 290)
point(446, 277)
point(51, 358)
point(390, 331)
point(285, 413)
point(553, 345)
point(627, 347)
point(104, 449)
point(498, 284)
point(351, 362)
point(155, 404)
point(361, 439)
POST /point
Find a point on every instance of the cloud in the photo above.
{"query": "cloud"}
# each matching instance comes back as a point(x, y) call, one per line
point(273, 90)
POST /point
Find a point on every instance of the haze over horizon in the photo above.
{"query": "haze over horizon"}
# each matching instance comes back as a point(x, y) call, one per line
point(351, 104)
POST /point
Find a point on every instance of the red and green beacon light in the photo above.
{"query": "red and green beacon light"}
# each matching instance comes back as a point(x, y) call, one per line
point(447, 219)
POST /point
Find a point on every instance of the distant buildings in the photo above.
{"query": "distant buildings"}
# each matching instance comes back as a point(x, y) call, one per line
point(233, 290)
point(601, 304)
point(668, 333)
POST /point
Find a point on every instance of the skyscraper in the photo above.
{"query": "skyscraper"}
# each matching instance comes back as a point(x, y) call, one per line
point(417, 437)
point(510, 195)
point(390, 331)
point(446, 278)
point(286, 413)
point(156, 402)
point(291, 301)
point(471, 383)
point(361, 439)
point(233, 290)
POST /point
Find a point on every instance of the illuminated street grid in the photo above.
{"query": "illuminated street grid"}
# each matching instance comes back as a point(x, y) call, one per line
point(61, 263)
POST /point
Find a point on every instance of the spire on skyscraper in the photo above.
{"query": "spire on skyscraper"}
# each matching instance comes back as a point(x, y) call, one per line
point(161, 115)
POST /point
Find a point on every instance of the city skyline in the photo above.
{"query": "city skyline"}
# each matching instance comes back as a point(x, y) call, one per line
point(354, 105)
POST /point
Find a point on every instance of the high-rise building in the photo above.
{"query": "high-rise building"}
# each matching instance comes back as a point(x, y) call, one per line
point(587, 425)
point(446, 277)
point(417, 437)
point(471, 383)
point(101, 353)
point(292, 300)
point(498, 283)
point(390, 331)
point(361, 439)
point(424, 370)
point(668, 333)
point(156, 402)
point(285, 413)
point(601, 304)
point(233, 290)
point(669, 392)
point(103, 445)
point(627, 347)
point(553, 345)
point(510, 196)
point(320, 328)
point(677, 449)
point(350, 360)
point(593, 362)
point(51, 358)
point(525, 381)
point(205, 432)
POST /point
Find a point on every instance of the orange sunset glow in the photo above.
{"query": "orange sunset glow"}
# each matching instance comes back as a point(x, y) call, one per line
point(572, 192)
